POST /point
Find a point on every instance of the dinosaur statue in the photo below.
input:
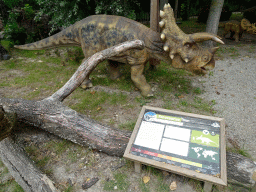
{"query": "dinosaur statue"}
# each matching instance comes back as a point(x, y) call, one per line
point(235, 29)
point(247, 26)
point(173, 46)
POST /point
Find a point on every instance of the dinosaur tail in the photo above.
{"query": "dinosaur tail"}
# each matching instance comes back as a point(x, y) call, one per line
point(58, 40)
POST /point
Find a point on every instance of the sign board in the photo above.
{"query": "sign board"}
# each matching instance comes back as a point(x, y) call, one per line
point(184, 143)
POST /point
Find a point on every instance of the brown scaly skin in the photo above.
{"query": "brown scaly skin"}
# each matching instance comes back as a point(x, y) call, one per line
point(235, 29)
point(98, 32)
point(248, 27)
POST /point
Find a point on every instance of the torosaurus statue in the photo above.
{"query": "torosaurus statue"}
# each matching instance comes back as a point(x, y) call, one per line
point(172, 45)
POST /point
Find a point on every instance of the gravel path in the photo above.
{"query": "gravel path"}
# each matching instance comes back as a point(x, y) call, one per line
point(233, 87)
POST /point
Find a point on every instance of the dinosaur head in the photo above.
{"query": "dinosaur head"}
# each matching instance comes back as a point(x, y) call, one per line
point(184, 46)
point(202, 62)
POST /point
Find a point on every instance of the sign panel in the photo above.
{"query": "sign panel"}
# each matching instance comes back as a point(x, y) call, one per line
point(184, 143)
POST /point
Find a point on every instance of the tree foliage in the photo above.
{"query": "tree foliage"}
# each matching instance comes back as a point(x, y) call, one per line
point(65, 12)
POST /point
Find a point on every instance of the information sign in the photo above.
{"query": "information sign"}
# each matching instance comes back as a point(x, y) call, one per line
point(185, 143)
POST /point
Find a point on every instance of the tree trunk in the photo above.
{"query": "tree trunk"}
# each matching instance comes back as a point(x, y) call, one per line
point(240, 170)
point(213, 19)
point(54, 117)
point(154, 25)
point(30, 178)
point(176, 9)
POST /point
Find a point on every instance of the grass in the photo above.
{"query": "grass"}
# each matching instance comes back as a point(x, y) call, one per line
point(121, 183)
point(128, 125)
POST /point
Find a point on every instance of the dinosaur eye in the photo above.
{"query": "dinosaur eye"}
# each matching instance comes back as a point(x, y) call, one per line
point(205, 58)
point(188, 45)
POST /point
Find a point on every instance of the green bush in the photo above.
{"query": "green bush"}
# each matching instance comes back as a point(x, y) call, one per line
point(21, 27)
point(13, 32)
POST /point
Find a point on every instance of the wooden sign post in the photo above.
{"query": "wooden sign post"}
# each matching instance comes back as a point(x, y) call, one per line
point(184, 143)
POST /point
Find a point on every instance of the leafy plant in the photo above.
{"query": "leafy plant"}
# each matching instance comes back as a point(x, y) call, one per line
point(63, 12)
point(29, 12)
point(13, 31)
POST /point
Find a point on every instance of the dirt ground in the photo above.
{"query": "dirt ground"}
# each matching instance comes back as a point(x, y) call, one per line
point(72, 167)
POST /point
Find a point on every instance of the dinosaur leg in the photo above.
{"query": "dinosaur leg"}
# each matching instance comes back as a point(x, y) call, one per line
point(225, 33)
point(139, 80)
point(236, 37)
point(114, 69)
point(87, 83)
point(232, 33)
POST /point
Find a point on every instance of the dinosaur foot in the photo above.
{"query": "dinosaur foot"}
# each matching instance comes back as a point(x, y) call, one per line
point(147, 94)
point(86, 84)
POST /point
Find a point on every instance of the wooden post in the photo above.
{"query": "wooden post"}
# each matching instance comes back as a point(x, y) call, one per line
point(207, 186)
point(137, 167)
point(154, 25)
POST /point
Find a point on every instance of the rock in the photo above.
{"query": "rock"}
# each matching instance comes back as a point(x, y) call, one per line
point(90, 183)
point(173, 186)
point(6, 57)
point(146, 179)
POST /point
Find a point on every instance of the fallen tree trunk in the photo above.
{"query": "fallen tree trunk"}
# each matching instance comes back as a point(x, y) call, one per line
point(51, 115)
point(54, 117)
point(26, 174)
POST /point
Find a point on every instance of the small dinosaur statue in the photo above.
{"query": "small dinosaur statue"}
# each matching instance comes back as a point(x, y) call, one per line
point(235, 29)
point(172, 45)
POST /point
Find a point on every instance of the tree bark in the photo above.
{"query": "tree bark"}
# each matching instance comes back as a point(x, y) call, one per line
point(213, 19)
point(176, 9)
point(26, 174)
point(154, 25)
point(240, 170)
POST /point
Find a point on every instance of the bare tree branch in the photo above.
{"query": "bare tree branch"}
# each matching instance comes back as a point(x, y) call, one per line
point(89, 65)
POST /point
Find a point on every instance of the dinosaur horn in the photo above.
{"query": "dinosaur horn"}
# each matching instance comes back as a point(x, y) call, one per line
point(214, 49)
point(203, 36)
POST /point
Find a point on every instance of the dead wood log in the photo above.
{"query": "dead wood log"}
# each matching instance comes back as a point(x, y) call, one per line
point(54, 117)
point(240, 169)
point(30, 178)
